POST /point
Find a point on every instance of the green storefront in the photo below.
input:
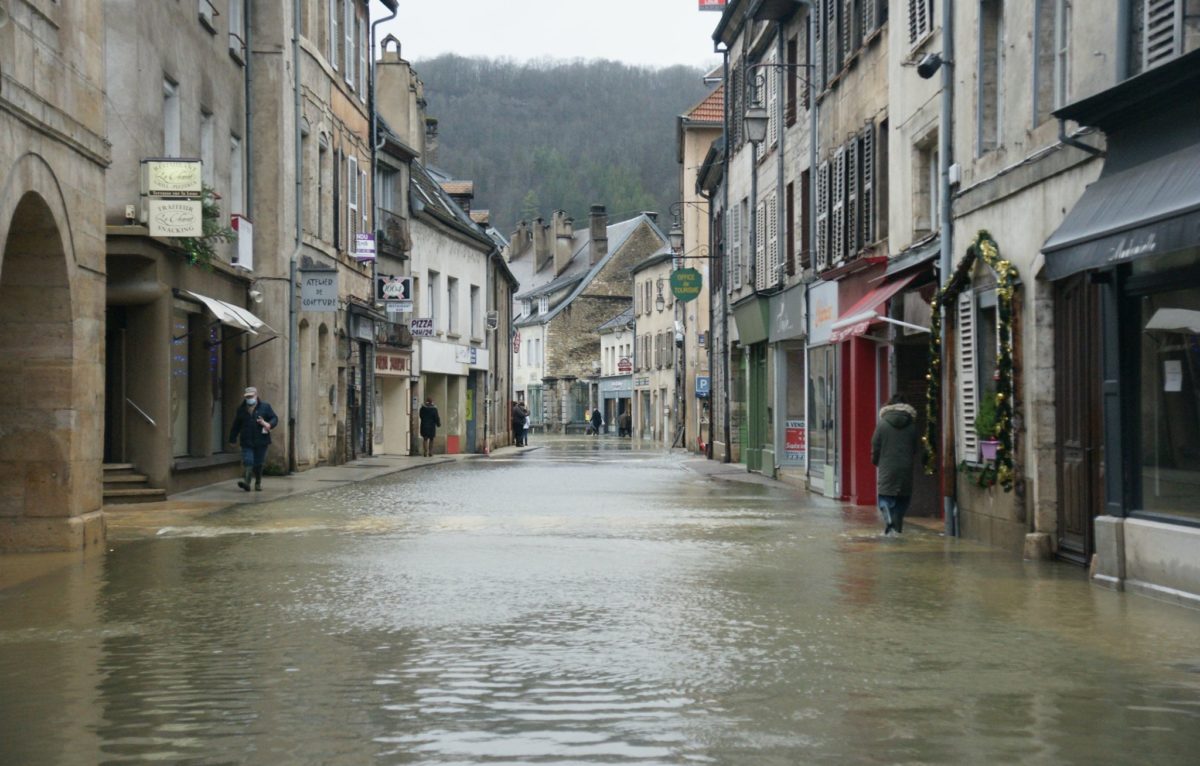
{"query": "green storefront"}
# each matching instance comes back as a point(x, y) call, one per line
point(758, 444)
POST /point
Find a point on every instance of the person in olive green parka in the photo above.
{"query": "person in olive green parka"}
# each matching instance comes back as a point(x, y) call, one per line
point(894, 451)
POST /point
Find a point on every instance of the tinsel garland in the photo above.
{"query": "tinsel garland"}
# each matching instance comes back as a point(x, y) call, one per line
point(1006, 277)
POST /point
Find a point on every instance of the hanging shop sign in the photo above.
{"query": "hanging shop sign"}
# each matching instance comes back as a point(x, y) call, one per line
point(364, 246)
point(421, 327)
point(175, 217)
point(171, 178)
point(319, 290)
point(516, 343)
point(624, 365)
point(686, 284)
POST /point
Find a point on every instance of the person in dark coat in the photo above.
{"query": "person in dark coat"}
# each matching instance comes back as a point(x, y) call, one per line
point(519, 416)
point(597, 421)
point(626, 423)
point(252, 426)
point(894, 450)
point(430, 422)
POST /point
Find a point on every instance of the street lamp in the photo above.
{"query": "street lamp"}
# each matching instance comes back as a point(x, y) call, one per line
point(676, 236)
point(756, 120)
point(659, 302)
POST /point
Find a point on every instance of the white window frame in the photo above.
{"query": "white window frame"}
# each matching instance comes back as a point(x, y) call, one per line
point(206, 11)
point(348, 55)
point(543, 304)
point(237, 175)
point(432, 288)
point(452, 323)
point(352, 218)
point(920, 21)
point(334, 35)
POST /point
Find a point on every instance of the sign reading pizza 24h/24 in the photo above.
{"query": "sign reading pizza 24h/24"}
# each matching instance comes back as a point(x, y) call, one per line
point(686, 284)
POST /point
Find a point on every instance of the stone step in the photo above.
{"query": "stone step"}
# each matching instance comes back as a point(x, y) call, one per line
point(114, 467)
point(126, 478)
point(147, 495)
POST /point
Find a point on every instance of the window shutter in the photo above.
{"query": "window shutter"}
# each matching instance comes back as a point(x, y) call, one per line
point(822, 254)
point(849, 43)
point(853, 219)
point(1163, 30)
point(967, 385)
point(868, 17)
point(867, 191)
point(920, 20)
point(772, 275)
point(816, 50)
point(760, 250)
point(736, 280)
point(832, 64)
point(837, 224)
point(773, 80)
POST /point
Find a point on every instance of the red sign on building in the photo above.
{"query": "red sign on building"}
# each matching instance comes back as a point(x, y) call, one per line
point(712, 5)
point(624, 365)
point(517, 342)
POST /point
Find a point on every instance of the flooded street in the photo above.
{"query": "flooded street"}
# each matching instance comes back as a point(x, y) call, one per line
point(582, 603)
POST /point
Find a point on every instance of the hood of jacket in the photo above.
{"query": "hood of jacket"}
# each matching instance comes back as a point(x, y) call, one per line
point(898, 415)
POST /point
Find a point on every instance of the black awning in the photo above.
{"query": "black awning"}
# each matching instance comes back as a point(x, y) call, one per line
point(1146, 209)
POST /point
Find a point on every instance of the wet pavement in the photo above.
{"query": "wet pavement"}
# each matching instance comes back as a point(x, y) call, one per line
point(580, 603)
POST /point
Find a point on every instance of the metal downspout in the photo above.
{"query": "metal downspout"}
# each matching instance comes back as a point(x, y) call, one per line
point(727, 457)
point(945, 146)
point(293, 314)
point(777, 278)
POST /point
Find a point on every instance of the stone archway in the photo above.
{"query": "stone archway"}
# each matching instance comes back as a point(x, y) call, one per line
point(49, 419)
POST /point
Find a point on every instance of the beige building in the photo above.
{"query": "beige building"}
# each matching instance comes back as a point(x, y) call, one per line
point(657, 374)
point(53, 156)
point(696, 132)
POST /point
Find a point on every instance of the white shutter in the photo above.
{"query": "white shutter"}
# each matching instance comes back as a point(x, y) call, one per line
point(837, 193)
point(1163, 31)
point(848, 41)
point(967, 385)
point(760, 262)
point(853, 221)
point(822, 192)
point(736, 281)
point(348, 32)
point(920, 20)
point(867, 190)
point(868, 17)
point(773, 80)
point(772, 275)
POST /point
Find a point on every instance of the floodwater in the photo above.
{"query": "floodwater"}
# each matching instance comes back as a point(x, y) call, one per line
point(583, 604)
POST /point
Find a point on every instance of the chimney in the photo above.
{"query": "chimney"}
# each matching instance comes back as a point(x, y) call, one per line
point(541, 245)
point(431, 140)
point(564, 241)
point(598, 233)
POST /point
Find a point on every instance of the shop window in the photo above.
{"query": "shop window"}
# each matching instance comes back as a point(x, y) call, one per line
point(1170, 403)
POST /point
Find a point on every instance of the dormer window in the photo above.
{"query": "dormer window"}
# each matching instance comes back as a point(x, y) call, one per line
point(543, 304)
point(526, 307)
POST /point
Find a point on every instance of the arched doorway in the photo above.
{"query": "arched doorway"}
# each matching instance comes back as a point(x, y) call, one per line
point(49, 480)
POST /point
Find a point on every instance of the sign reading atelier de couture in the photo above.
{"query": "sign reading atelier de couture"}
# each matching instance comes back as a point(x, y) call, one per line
point(319, 290)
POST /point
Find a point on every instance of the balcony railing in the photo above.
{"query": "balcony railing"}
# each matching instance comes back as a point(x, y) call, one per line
point(394, 237)
point(393, 334)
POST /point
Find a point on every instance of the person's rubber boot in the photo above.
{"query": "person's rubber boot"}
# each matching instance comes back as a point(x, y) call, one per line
point(258, 469)
point(247, 471)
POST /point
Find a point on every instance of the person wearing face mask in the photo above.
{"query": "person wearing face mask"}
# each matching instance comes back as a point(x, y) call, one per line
point(252, 428)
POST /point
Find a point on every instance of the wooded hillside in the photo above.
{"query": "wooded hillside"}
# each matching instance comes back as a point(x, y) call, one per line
point(544, 135)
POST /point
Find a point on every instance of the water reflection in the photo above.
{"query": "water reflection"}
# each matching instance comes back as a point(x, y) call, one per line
point(583, 604)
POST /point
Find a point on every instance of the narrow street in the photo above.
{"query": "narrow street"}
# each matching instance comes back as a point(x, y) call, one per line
point(581, 602)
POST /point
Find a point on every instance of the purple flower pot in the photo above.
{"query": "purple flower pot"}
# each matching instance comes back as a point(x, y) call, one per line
point(987, 449)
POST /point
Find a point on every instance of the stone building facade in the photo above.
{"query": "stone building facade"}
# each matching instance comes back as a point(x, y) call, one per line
point(53, 156)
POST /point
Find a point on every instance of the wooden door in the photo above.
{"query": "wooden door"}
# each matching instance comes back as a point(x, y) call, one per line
point(1077, 393)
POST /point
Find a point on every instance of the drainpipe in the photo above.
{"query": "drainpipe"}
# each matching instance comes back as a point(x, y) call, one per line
point(248, 78)
point(1070, 140)
point(1124, 14)
point(727, 457)
point(945, 146)
point(777, 278)
point(293, 314)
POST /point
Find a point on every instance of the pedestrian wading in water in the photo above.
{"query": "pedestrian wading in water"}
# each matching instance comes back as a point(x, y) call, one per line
point(430, 422)
point(252, 426)
point(894, 449)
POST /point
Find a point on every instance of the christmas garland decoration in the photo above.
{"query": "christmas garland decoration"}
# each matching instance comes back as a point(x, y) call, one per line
point(1006, 277)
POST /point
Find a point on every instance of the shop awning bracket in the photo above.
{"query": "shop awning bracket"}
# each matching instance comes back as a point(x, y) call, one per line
point(248, 349)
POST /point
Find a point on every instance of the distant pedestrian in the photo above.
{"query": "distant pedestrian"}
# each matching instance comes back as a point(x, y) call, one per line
point(430, 423)
point(252, 426)
point(528, 422)
point(626, 428)
point(519, 416)
point(597, 421)
point(894, 452)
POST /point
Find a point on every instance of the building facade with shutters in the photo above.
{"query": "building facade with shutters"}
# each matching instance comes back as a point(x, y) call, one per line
point(657, 416)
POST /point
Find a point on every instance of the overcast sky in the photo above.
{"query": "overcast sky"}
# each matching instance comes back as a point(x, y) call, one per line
point(650, 32)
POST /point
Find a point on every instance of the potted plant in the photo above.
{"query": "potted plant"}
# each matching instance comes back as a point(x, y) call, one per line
point(985, 426)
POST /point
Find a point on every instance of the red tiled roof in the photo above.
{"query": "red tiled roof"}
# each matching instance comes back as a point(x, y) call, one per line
point(711, 109)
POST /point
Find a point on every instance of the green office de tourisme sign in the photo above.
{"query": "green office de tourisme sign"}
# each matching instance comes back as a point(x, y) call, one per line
point(686, 284)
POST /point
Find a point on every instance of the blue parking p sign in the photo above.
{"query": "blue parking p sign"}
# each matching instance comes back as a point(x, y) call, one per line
point(702, 386)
